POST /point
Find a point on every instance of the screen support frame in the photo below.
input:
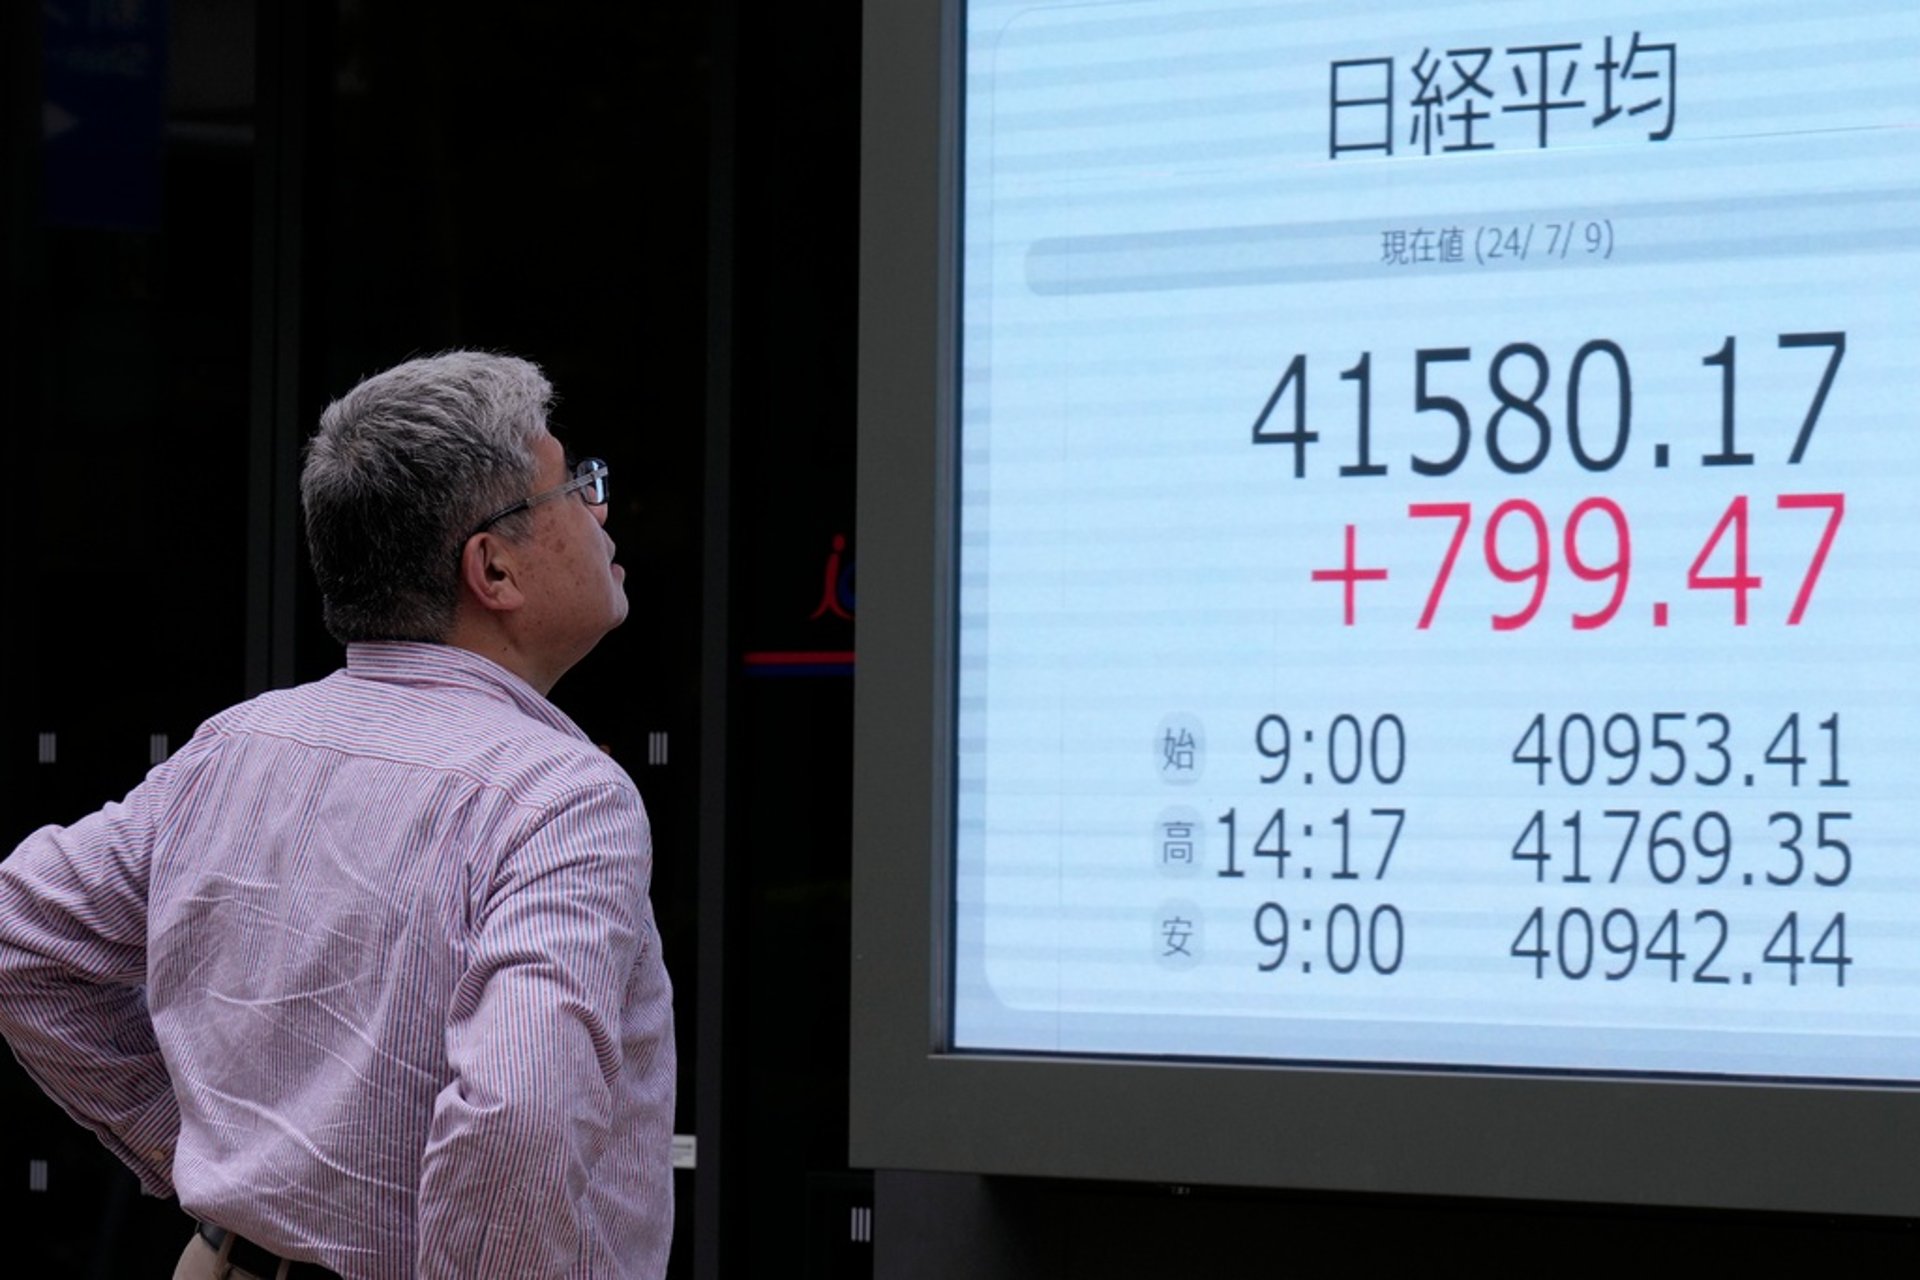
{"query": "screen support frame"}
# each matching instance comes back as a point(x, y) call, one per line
point(917, 1105)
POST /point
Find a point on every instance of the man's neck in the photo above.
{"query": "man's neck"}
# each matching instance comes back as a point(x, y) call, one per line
point(497, 644)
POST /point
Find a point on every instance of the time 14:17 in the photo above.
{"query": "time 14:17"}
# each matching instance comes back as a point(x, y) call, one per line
point(1272, 844)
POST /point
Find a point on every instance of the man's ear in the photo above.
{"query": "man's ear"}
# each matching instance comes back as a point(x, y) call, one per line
point(489, 573)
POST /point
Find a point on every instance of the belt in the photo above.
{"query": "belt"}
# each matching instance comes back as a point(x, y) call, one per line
point(263, 1262)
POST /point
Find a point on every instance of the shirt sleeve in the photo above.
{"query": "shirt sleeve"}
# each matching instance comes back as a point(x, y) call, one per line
point(534, 1044)
point(73, 957)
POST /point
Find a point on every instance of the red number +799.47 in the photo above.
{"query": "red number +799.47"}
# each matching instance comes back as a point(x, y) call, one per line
point(1725, 545)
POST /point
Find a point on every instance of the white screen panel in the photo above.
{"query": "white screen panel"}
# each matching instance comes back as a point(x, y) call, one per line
point(1435, 571)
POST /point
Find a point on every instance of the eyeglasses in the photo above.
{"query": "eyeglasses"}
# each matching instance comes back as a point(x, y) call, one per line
point(589, 481)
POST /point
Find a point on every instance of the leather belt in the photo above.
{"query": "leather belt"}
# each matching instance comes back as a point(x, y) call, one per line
point(261, 1261)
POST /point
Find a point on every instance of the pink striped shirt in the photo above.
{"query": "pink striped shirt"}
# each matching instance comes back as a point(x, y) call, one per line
point(367, 973)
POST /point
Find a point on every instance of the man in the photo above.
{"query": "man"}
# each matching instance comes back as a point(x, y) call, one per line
point(366, 973)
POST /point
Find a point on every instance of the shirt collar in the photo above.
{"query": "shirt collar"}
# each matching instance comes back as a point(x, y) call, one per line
point(416, 664)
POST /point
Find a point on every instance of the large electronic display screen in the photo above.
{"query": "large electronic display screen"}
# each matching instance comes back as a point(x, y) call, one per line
point(1435, 537)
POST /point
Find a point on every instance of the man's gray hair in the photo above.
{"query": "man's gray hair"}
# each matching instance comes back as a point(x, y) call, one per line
point(402, 469)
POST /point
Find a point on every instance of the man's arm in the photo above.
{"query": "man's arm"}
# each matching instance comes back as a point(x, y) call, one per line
point(73, 958)
point(534, 1044)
